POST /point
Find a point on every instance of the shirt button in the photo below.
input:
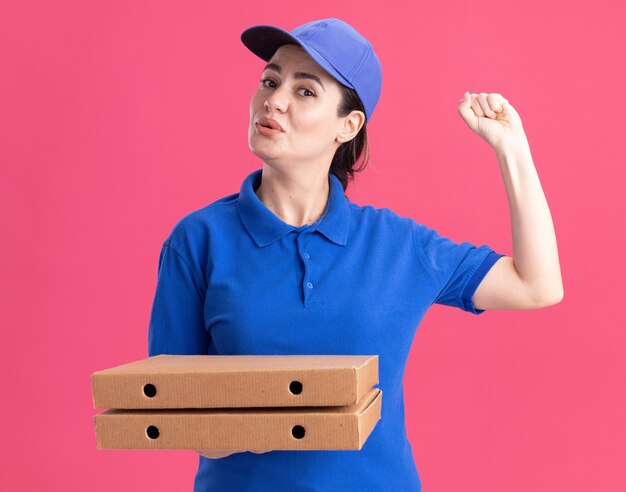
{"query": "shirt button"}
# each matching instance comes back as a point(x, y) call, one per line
point(307, 255)
point(309, 285)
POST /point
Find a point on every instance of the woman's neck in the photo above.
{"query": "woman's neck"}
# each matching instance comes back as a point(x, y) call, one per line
point(295, 199)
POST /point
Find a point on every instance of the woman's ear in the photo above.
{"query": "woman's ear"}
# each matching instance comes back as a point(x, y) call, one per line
point(351, 126)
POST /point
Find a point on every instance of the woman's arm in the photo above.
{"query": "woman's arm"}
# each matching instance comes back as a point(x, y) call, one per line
point(532, 277)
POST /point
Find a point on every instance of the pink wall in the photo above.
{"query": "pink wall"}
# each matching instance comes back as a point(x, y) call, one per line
point(117, 118)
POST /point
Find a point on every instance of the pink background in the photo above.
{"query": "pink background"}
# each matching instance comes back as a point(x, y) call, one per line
point(118, 118)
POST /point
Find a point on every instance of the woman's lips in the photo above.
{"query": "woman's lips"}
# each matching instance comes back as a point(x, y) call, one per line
point(263, 130)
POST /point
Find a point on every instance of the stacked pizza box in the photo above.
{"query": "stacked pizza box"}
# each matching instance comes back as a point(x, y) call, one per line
point(238, 402)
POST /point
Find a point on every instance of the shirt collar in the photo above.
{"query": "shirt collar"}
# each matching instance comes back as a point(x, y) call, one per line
point(266, 227)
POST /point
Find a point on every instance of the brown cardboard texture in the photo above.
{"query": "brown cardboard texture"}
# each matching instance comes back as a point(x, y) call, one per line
point(235, 381)
point(254, 429)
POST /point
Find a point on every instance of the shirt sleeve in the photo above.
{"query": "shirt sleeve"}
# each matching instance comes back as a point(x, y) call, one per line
point(177, 316)
point(457, 268)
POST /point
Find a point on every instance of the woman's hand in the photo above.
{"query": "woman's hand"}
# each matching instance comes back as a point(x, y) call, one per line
point(217, 453)
point(493, 119)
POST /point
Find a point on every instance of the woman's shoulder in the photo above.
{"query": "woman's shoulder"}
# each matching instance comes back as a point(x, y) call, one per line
point(196, 225)
point(379, 216)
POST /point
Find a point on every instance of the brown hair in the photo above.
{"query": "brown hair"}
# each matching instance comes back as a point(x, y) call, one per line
point(346, 157)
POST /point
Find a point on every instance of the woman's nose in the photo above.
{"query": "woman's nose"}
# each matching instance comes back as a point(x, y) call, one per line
point(276, 101)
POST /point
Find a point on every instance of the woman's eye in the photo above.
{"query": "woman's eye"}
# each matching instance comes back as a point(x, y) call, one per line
point(266, 80)
point(312, 94)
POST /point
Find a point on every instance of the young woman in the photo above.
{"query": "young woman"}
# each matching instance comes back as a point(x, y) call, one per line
point(289, 265)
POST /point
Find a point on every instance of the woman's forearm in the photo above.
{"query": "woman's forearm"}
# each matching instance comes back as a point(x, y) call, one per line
point(535, 253)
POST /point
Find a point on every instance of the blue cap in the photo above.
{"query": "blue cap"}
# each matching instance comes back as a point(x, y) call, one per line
point(335, 45)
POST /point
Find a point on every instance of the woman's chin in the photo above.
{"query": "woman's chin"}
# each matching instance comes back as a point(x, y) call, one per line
point(264, 154)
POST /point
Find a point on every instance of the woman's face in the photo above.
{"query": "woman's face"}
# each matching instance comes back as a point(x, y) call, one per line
point(305, 108)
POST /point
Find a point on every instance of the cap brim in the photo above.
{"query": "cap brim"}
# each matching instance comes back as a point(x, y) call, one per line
point(264, 40)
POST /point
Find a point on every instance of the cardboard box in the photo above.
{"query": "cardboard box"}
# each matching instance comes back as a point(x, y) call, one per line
point(235, 381)
point(238, 402)
point(260, 429)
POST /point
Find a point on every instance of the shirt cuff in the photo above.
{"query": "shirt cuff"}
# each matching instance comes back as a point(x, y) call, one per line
point(474, 282)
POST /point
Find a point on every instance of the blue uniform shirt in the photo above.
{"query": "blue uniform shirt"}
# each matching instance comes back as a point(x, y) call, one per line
point(233, 278)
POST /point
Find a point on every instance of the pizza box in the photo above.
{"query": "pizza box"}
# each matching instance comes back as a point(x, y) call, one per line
point(235, 381)
point(254, 429)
